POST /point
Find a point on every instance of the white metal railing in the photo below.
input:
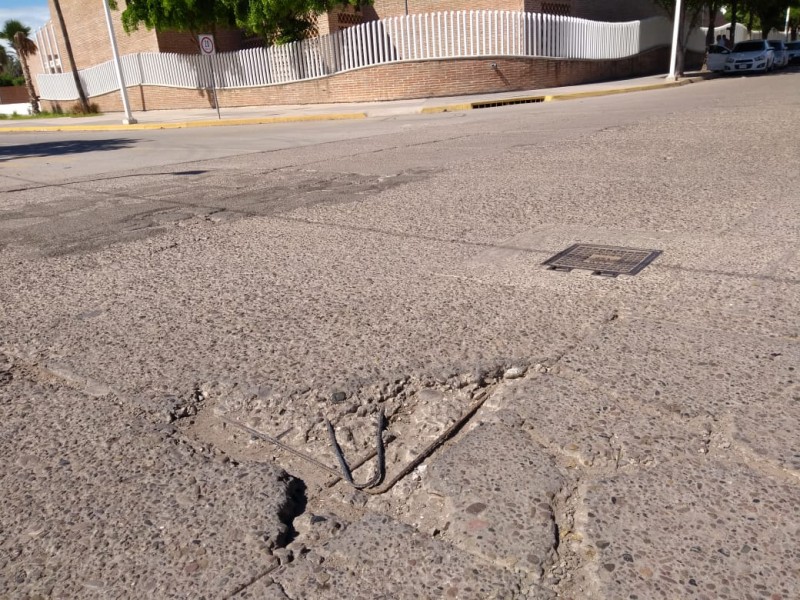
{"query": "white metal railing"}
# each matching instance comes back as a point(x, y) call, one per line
point(439, 35)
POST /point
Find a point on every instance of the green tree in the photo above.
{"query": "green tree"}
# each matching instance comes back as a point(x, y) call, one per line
point(771, 13)
point(691, 13)
point(763, 14)
point(5, 59)
point(192, 16)
point(283, 21)
point(82, 101)
point(17, 34)
point(276, 21)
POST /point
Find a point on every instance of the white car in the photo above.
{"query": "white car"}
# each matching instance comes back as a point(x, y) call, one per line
point(754, 55)
point(715, 60)
point(781, 57)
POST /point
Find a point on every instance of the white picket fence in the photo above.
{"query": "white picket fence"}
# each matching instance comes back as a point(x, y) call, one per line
point(451, 34)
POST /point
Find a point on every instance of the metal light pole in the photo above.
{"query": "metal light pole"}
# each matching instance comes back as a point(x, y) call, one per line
point(673, 57)
point(128, 120)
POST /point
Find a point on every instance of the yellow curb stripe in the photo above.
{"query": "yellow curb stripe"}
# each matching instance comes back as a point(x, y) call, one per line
point(188, 124)
point(556, 97)
point(612, 92)
point(346, 116)
point(446, 108)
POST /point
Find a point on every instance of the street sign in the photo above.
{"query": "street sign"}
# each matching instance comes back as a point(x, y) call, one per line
point(207, 45)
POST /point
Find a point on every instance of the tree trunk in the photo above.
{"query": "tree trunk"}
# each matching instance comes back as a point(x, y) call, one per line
point(734, 7)
point(713, 8)
point(26, 72)
point(81, 94)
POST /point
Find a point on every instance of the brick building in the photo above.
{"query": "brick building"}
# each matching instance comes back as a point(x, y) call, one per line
point(608, 10)
point(86, 24)
point(406, 79)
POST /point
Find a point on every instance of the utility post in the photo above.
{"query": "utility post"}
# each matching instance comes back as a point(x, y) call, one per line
point(676, 29)
point(128, 120)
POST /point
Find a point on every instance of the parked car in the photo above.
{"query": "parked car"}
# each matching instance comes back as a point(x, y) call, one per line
point(754, 55)
point(793, 52)
point(715, 61)
point(779, 49)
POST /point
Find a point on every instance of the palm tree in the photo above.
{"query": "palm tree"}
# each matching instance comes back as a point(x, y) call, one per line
point(4, 60)
point(16, 33)
point(81, 94)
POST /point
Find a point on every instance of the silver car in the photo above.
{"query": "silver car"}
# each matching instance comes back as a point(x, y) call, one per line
point(781, 57)
point(793, 52)
point(754, 55)
point(715, 59)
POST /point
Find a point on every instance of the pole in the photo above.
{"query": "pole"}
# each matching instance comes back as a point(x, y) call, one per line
point(214, 85)
point(673, 57)
point(786, 28)
point(128, 120)
point(406, 7)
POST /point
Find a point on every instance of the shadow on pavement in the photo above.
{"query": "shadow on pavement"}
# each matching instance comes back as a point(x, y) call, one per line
point(57, 148)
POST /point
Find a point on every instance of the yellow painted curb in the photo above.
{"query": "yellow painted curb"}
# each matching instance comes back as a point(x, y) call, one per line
point(556, 97)
point(188, 124)
point(447, 108)
point(615, 91)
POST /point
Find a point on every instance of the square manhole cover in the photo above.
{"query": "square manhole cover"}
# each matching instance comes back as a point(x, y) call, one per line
point(602, 260)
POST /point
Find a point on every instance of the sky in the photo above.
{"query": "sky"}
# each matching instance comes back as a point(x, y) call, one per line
point(32, 13)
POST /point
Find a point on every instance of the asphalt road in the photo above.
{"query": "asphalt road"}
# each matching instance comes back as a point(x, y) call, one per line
point(637, 436)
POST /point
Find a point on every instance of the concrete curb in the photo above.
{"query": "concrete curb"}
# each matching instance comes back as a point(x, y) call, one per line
point(483, 103)
point(558, 97)
point(188, 124)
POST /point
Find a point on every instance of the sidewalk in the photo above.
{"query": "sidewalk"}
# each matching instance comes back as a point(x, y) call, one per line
point(254, 115)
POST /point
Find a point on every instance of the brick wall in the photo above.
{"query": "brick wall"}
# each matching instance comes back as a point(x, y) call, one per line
point(88, 33)
point(397, 81)
point(605, 10)
point(226, 40)
point(615, 10)
point(13, 94)
point(396, 8)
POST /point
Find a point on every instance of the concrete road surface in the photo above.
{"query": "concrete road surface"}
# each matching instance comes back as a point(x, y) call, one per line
point(183, 312)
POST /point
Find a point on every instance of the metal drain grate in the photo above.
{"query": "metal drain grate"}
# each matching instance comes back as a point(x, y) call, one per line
point(609, 261)
point(507, 102)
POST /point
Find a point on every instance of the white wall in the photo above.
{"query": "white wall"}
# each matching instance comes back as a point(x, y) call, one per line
point(21, 109)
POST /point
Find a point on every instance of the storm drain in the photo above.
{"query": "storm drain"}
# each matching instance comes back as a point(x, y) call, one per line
point(609, 261)
point(507, 102)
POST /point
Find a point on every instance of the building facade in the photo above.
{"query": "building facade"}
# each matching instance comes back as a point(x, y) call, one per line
point(88, 34)
point(86, 24)
point(608, 10)
point(366, 64)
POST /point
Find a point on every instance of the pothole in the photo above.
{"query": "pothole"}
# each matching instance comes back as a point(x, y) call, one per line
point(420, 414)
